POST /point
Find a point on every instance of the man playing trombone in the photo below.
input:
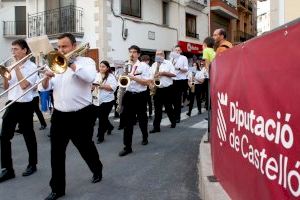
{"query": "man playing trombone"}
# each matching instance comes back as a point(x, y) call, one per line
point(19, 112)
point(72, 118)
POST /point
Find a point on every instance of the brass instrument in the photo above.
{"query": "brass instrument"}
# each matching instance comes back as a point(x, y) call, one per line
point(192, 83)
point(57, 63)
point(5, 71)
point(123, 82)
point(156, 81)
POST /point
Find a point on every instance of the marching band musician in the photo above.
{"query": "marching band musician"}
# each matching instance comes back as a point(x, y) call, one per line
point(196, 79)
point(106, 84)
point(20, 112)
point(72, 118)
point(180, 83)
point(164, 71)
point(135, 100)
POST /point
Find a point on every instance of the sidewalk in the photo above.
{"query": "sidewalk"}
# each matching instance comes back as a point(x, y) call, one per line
point(208, 190)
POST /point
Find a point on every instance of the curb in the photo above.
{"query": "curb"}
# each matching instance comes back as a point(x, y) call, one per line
point(208, 190)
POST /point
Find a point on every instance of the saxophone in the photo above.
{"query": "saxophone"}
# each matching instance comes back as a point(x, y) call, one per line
point(95, 92)
point(123, 81)
point(192, 83)
point(156, 81)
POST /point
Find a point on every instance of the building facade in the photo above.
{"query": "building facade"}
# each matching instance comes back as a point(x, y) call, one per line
point(223, 15)
point(111, 26)
point(13, 24)
point(274, 13)
point(246, 22)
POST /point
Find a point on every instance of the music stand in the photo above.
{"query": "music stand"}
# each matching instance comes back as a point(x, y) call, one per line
point(39, 46)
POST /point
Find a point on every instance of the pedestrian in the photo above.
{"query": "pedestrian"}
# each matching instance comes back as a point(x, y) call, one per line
point(180, 82)
point(208, 56)
point(106, 84)
point(20, 112)
point(72, 118)
point(163, 71)
point(135, 100)
point(221, 44)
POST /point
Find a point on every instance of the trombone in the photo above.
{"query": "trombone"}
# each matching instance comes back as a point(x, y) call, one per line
point(58, 64)
point(5, 71)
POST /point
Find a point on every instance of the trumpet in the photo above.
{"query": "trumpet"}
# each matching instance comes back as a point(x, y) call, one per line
point(57, 63)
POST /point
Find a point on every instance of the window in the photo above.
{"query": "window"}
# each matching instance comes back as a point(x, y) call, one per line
point(190, 21)
point(165, 13)
point(131, 7)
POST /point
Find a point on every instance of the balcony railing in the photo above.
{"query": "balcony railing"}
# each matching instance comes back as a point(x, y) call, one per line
point(193, 35)
point(240, 36)
point(56, 21)
point(14, 28)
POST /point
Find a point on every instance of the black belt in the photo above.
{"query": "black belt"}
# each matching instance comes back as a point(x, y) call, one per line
point(129, 92)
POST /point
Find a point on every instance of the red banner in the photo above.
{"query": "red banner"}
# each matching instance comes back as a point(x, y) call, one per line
point(256, 117)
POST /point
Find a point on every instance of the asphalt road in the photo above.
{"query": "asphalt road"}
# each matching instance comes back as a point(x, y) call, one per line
point(165, 169)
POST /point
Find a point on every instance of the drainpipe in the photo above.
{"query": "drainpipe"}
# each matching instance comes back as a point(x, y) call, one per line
point(124, 31)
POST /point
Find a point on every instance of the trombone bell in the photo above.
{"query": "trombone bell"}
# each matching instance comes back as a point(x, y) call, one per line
point(57, 62)
point(4, 72)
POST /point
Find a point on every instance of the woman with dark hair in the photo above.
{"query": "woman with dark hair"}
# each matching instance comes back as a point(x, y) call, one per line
point(196, 79)
point(106, 84)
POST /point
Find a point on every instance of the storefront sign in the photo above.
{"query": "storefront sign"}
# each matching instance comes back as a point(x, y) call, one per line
point(189, 47)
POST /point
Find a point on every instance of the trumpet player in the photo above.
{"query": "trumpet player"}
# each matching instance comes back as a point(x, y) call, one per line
point(196, 80)
point(135, 100)
point(162, 72)
point(106, 84)
point(21, 112)
point(72, 118)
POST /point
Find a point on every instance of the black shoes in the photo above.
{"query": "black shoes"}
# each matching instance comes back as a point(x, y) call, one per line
point(177, 121)
point(144, 142)
point(155, 130)
point(125, 152)
point(97, 178)
point(188, 114)
point(173, 125)
point(6, 175)
point(43, 127)
point(54, 195)
point(29, 170)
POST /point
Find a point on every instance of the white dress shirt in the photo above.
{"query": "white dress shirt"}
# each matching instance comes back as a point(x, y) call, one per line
point(142, 71)
point(165, 66)
point(182, 63)
point(199, 75)
point(72, 90)
point(26, 69)
point(105, 95)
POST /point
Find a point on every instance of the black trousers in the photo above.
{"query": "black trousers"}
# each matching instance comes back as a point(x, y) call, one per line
point(198, 92)
point(162, 98)
point(135, 104)
point(149, 102)
point(179, 87)
point(77, 127)
point(18, 113)
point(104, 124)
point(36, 109)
